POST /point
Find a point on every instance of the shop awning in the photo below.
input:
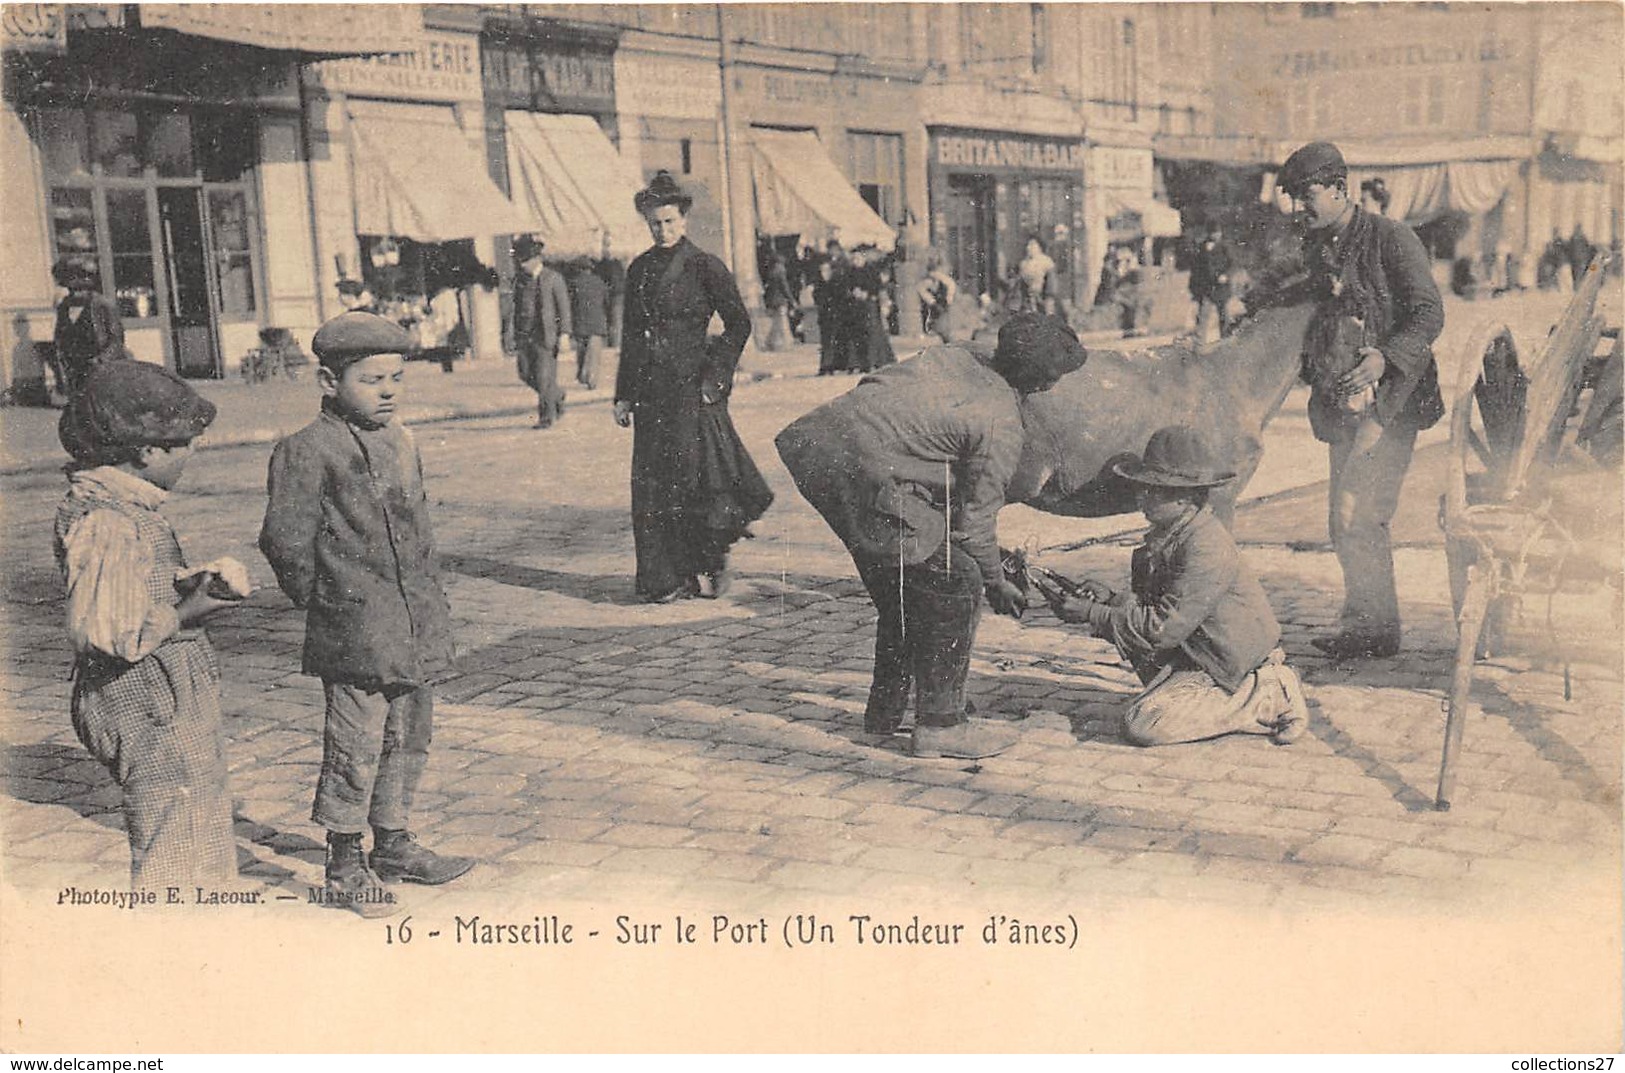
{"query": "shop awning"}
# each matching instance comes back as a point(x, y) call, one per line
point(565, 173)
point(1157, 220)
point(318, 29)
point(800, 191)
point(416, 176)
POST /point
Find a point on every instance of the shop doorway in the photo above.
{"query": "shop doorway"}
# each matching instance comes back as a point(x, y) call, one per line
point(192, 332)
point(969, 218)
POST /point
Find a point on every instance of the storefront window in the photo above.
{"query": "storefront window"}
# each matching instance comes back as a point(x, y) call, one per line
point(116, 143)
point(169, 145)
point(64, 140)
point(73, 225)
point(877, 172)
point(227, 145)
point(131, 241)
point(233, 258)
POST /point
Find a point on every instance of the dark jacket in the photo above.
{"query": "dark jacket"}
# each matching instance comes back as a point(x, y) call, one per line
point(97, 334)
point(914, 452)
point(665, 355)
point(1377, 270)
point(347, 532)
point(1207, 266)
point(1192, 595)
point(541, 310)
point(589, 303)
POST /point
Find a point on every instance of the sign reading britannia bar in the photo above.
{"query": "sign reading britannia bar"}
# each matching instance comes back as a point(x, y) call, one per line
point(1005, 152)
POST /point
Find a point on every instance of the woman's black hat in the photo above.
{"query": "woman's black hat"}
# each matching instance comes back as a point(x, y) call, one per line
point(662, 190)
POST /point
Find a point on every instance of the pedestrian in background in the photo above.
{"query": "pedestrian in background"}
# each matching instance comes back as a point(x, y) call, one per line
point(1210, 284)
point(613, 273)
point(909, 469)
point(347, 532)
point(146, 682)
point(88, 326)
point(826, 300)
point(589, 320)
point(1374, 271)
point(541, 318)
point(1195, 625)
point(1374, 196)
point(695, 489)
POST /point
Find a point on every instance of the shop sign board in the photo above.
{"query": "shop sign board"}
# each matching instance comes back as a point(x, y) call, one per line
point(1115, 167)
point(1001, 152)
point(671, 88)
point(444, 67)
point(44, 27)
point(548, 78)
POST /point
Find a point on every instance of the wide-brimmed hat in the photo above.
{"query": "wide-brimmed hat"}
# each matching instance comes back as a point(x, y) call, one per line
point(131, 403)
point(349, 337)
point(1035, 350)
point(1317, 162)
point(526, 247)
point(1175, 457)
point(662, 190)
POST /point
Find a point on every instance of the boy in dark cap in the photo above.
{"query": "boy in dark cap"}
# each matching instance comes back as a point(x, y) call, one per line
point(909, 468)
point(1196, 627)
point(146, 688)
point(347, 531)
point(1370, 272)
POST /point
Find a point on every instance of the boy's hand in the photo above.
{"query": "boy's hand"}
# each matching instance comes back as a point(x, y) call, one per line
point(1078, 610)
point(199, 604)
point(1096, 591)
point(623, 413)
point(1006, 599)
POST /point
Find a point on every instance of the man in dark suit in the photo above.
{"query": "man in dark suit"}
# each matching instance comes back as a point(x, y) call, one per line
point(541, 317)
point(1375, 271)
point(1210, 282)
point(589, 316)
point(88, 327)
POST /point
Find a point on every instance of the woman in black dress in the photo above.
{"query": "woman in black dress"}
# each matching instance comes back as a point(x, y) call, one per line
point(695, 489)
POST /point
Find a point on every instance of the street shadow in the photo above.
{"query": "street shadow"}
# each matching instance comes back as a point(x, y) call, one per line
point(62, 775)
point(1371, 765)
point(1534, 726)
point(618, 589)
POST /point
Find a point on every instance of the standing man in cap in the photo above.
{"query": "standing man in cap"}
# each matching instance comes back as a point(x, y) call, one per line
point(347, 531)
point(1196, 625)
point(88, 326)
point(1372, 269)
point(541, 317)
point(909, 468)
point(146, 683)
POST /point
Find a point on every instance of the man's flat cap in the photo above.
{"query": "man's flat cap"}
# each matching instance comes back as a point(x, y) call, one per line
point(1317, 162)
point(349, 337)
point(131, 403)
point(1035, 350)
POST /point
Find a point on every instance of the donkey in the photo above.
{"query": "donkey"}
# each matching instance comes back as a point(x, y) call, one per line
point(1108, 409)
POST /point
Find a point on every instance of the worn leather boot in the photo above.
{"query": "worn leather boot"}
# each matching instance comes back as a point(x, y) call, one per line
point(351, 884)
point(399, 858)
point(972, 739)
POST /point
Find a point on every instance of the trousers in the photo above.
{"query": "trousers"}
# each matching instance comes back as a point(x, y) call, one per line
point(539, 368)
point(1366, 478)
point(589, 348)
point(927, 621)
point(374, 748)
point(1184, 703)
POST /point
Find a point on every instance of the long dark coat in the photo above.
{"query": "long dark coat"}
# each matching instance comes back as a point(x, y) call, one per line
point(694, 486)
point(347, 532)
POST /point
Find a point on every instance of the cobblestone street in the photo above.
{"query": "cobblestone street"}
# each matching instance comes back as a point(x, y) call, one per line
point(594, 747)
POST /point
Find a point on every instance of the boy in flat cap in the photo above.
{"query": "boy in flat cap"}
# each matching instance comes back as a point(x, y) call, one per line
point(146, 687)
point(1196, 627)
point(1374, 271)
point(347, 531)
point(909, 469)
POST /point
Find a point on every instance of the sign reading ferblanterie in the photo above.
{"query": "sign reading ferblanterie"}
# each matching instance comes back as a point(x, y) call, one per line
point(444, 67)
point(1007, 152)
